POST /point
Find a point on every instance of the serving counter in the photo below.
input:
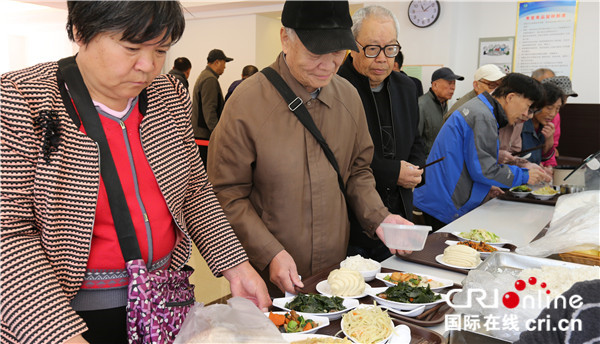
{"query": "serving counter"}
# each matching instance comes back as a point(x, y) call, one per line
point(516, 221)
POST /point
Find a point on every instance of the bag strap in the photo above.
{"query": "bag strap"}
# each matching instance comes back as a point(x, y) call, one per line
point(296, 105)
point(93, 128)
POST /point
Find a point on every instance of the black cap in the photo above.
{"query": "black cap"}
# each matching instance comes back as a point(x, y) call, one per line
point(322, 26)
point(446, 74)
point(217, 54)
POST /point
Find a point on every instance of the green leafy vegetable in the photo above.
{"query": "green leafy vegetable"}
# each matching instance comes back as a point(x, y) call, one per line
point(405, 293)
point(480, 235)
point(521, 188)
point(312, 303)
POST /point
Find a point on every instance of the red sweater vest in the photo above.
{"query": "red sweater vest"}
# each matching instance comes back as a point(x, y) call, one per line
point(105, 252)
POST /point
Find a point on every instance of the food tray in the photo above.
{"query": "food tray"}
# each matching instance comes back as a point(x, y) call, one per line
point(435, 317)
point(507, 196)
point(435, 245)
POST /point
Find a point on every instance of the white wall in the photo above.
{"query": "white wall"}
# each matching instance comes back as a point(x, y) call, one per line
point(31, 34)
point(268, 42)
point(235, 35)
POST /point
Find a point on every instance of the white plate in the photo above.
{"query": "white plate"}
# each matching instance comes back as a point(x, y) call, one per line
point(543, 197)
point(320, 320)
point(324, 289)
point(519, 194)
point(355, 341)
point(481, 254)
point(439, 259)
point(348, 303)
point(295, 337)
point(445, 282)
point(402, 305)
point(501, 241)
point(411, 313)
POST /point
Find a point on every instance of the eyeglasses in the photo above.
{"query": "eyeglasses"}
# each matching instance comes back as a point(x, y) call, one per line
point(490, 84)
point(372, 51)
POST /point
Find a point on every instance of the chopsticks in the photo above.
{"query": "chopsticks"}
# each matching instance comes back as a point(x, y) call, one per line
point(528, 150)
point(433, 162)
point(428, 314)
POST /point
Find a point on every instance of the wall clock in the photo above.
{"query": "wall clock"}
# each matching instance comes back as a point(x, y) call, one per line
point(423, 13)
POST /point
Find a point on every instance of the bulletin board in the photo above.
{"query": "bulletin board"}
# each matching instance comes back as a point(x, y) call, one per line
point(545, 36)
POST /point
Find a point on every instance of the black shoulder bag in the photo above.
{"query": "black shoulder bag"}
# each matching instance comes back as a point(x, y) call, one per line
point(157, 301)
point(296, 105)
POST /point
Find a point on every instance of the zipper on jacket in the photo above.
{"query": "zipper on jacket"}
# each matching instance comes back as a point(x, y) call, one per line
point(138, 194)
point(163, 194)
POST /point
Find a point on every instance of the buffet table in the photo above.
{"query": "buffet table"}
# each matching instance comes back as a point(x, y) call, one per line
point(519, 222)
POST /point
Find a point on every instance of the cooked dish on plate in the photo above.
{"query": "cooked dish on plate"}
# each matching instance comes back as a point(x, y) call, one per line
point(480, 235)
point(292, 322)
point(367, 324)
point(407, 294)
point(546, 190)
point(381, 297)
point(412, 279)
point(318, 305)
point(521, 188)
point(461, 256)
point(312, 303)
point(479, 246)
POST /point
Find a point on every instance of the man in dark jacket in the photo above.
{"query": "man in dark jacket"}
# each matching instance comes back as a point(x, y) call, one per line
point(181, 70)
point(208, 97)
point(390, 103)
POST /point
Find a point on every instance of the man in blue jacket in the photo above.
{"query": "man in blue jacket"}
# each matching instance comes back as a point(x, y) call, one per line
point(470, 172)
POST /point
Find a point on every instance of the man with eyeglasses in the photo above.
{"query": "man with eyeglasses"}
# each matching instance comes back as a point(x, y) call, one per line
point(390, 103)
point(487, 79)
point(433, 104)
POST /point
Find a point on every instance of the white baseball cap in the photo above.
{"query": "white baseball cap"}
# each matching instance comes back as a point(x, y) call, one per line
point(489, 72)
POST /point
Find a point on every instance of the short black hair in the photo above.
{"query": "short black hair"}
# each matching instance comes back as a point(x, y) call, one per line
point(138, 21)
point(249, 70)
point(182, 64)
point(399, 59)
point(552, 93)
point(521, 84)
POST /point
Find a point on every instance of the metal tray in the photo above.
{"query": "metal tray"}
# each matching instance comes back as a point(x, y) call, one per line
point(499, 262)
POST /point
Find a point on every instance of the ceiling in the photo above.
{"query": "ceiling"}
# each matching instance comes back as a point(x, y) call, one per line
point(200, 9)
point(210, 9)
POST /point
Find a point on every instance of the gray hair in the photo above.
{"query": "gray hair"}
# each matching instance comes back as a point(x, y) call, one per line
point(291, 33)
point(374, 10)
point(538, 73)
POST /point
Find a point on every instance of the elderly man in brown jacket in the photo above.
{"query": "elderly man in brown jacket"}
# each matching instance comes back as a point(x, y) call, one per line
point(277, 188)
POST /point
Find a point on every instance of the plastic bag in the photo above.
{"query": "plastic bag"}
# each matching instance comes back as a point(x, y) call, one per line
point(574, 226)
point(239, 321)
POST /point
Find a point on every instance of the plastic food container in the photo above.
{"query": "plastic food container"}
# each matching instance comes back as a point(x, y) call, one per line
point(405, 237)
